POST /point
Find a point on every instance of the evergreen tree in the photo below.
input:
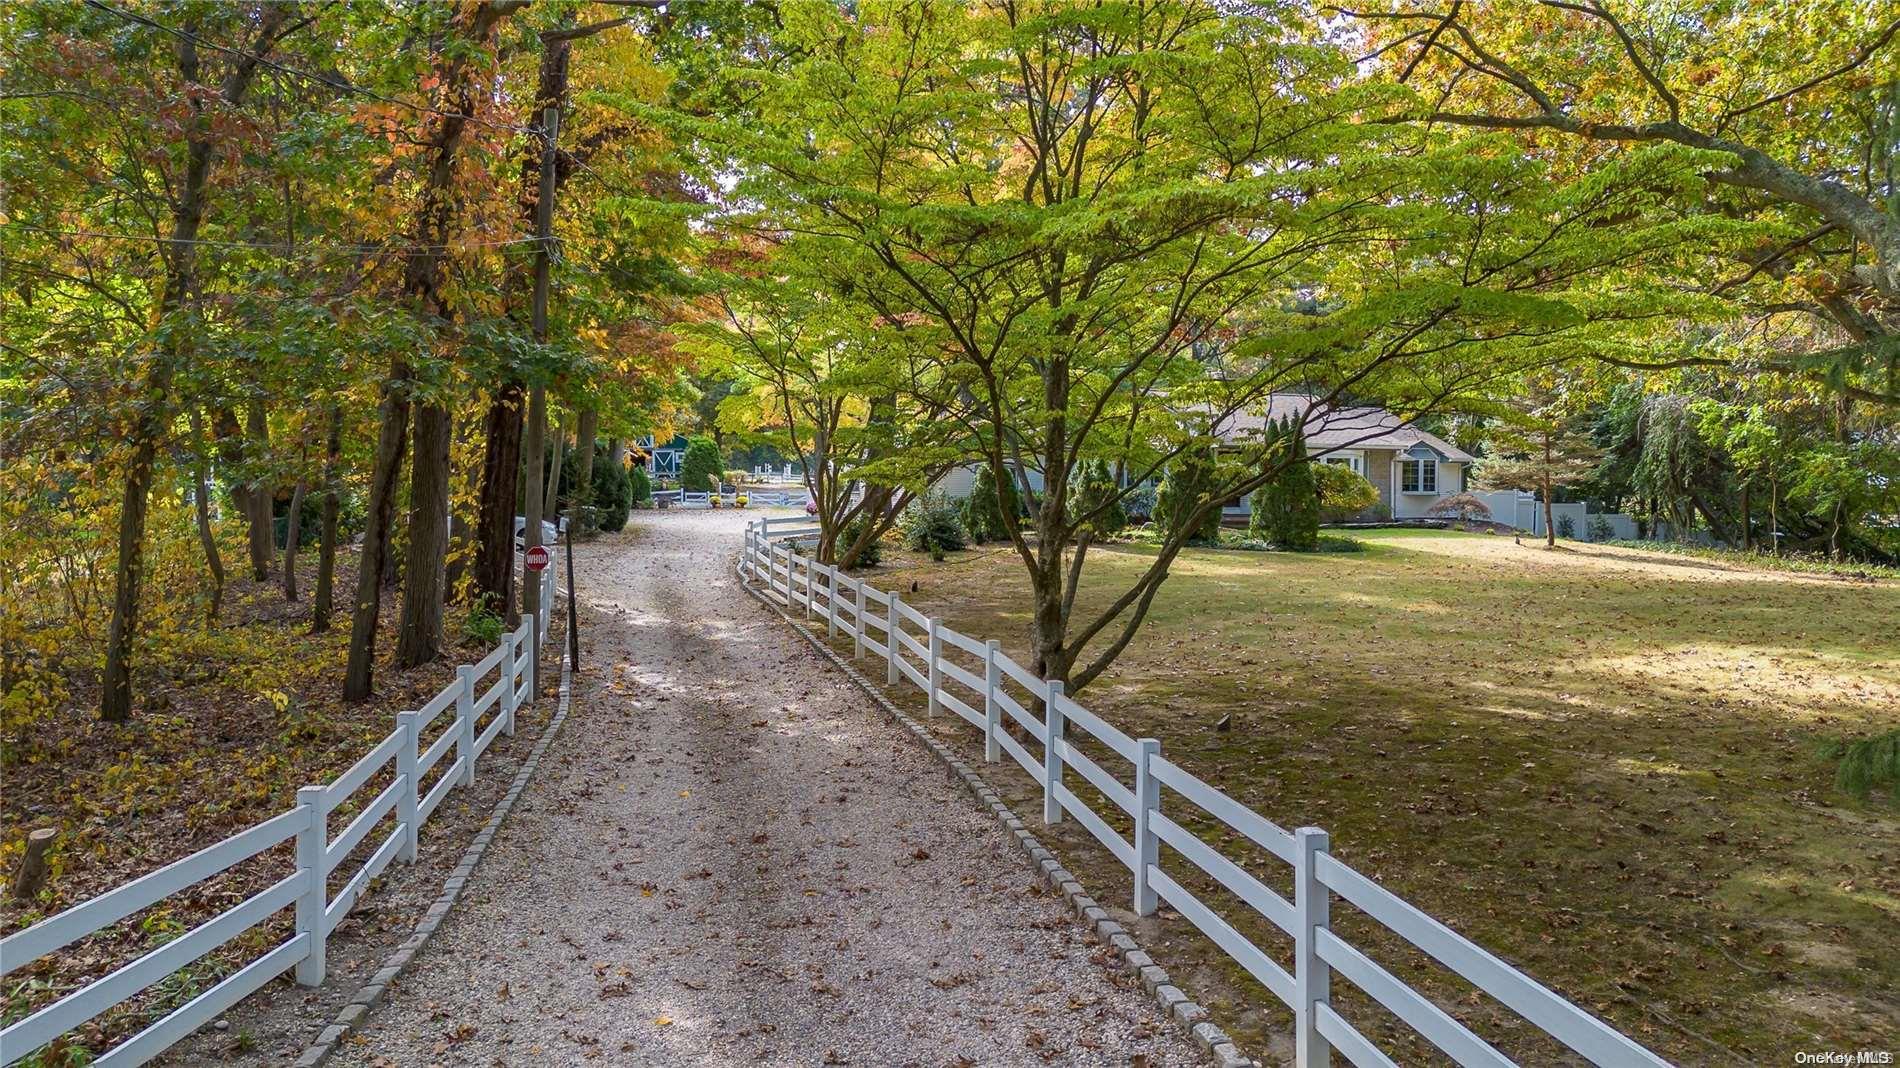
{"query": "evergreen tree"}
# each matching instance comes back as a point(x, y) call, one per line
point(1095, 488)
point(1192, 476)
point(701, 467)
point(982, 515)
point(1286, 509)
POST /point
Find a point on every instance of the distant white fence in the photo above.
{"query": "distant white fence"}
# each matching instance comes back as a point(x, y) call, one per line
point(754, 499)
point(467, 701)
point(978, 690)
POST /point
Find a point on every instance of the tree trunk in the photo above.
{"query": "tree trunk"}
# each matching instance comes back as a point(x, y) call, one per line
point(551, 507)
point(1550, 525)
point(1774, 517)
point(583, 494)
point(30, 876)
point(495, 517)
point(419, 638)
point(154, 413)
point(422, 283)
point(1748, 528)
point(262, 496)
point(386, 471)
point(201, 498)
point(321, 601)
point(291, 530)
point(532, 448)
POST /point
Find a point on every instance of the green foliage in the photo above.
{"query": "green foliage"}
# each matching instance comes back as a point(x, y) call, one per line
point(700, 468)
point(982, 514)
point(1866, 764)
point(873, 551)
point(613, 493)
point(1344, 494)
point(1095, 489)
point(1286, 511)
point(931, 525)
point(640, 486)
point(1190, 480)
point(482, 625)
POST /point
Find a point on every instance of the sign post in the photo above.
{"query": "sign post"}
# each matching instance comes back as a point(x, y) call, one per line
point(535, 560)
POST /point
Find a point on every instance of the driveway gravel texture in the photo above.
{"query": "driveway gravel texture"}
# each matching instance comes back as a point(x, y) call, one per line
point(730, 856)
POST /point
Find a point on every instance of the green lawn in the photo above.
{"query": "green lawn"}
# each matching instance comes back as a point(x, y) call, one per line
point(1599, 763)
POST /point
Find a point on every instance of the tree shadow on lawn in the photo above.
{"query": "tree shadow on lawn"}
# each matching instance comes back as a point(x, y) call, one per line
point(1608, 777)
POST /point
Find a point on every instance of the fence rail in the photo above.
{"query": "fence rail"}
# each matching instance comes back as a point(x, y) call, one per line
point(397, 813)
point(1138, 785)
point(730, 499)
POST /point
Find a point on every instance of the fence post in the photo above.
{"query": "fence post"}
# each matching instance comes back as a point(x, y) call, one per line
point(992, 708)
point(508, 696)
point(935, 645)
point(890, 639)
point(831, 600)
point(527, 667)
point(312, 840)
point(1147, 806)
point(407, 759)
point(1052, 754)
point(1312, 977)
point(465, 722)
point(811, 586)
point(857, 630)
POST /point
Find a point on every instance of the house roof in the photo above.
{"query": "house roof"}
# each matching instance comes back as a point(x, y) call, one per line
point(1338, 427)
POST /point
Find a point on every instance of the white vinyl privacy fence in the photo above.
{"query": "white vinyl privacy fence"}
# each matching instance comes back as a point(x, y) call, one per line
point(480, 705)
point(975, 681)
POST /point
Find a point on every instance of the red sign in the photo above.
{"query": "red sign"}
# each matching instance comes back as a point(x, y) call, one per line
point(536, 558)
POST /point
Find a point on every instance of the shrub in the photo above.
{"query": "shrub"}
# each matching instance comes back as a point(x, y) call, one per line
point(1139, 504)
point(1343, 493)
point(873, 550)
point(734, 478)
point(1094, 488)
point(1868, 763)
point(482, 624)
point(1463, 507)
point(640, 486)
point(1600, 529)
point(613, 495)
point(700, 468)
point(1566, 527)
point(931, 525)
point(982, 515)
point(1286, 510)
point(1189, 480)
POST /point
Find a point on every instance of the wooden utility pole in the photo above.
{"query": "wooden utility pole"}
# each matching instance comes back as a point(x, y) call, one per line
point(535, 438)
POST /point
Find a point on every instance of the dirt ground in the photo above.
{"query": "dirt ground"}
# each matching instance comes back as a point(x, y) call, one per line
point(730, 856)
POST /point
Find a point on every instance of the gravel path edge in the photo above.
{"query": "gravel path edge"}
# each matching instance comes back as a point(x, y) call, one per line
point(367, 995)
point(1174, 1002)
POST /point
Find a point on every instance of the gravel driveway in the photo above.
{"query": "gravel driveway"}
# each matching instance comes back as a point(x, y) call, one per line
point(731, 857)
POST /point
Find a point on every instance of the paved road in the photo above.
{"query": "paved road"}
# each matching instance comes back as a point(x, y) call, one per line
point(731, 857)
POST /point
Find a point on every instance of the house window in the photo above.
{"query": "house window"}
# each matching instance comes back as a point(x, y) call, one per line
point(1356, 461)
point(1418, 476)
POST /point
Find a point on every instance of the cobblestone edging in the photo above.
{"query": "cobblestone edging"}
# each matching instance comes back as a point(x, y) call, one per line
point(1174, 1002)
point(371, 992)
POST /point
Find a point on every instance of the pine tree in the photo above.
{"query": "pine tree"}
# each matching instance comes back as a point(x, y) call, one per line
point(1286, 509)
point(982, 515)
point(1191, 478)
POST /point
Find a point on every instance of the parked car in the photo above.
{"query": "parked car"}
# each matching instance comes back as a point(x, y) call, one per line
point(550, 532)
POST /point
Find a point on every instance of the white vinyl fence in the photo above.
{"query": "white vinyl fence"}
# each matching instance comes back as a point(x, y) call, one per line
point(978, 689)
point(481, 704)
point(754, 499)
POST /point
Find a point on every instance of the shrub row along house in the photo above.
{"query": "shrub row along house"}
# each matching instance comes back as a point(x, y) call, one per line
point(1411, 468)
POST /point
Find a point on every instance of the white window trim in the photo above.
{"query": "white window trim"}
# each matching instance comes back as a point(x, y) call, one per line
point(1421, 461)
point(1352, 458)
